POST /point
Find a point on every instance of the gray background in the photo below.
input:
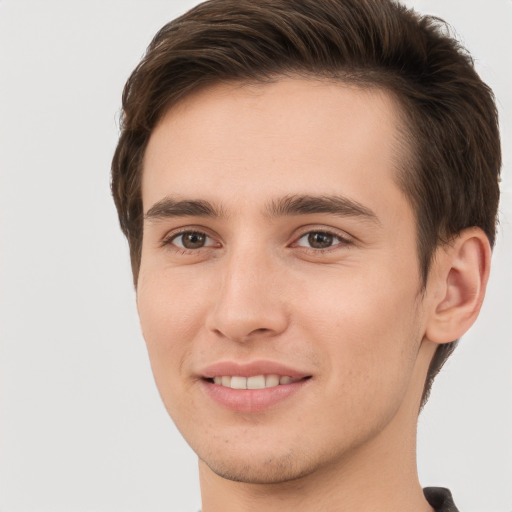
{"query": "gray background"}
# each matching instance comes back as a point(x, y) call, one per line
point(81, 424)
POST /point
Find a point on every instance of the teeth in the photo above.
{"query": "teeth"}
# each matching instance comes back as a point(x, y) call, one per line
point(254, 382)
point(238, 382)
point(271, 381)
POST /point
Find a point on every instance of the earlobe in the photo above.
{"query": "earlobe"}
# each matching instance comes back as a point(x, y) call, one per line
point(461, 275)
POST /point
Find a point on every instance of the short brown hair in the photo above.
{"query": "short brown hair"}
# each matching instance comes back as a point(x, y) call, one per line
point(450, 119)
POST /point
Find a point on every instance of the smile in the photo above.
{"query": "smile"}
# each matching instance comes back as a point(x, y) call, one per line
point(252, 394)
point(253, 382)
point(251, 386)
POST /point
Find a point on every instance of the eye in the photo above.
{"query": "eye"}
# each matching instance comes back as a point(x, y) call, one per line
point(191, 240)
point(320, 240)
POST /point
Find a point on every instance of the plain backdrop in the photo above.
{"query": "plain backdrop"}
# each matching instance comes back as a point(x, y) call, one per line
point(81, 424)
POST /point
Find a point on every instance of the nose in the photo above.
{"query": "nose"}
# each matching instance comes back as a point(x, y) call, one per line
point(249, 303)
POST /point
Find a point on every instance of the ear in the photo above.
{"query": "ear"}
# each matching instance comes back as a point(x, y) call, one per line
point(459, 278)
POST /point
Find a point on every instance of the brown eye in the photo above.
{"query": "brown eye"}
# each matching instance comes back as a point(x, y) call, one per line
point(190, 240)
point(319, 240)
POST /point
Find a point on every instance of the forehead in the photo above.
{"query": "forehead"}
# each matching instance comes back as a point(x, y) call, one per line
point(292, 136)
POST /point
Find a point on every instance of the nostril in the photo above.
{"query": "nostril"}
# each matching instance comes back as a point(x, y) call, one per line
point(261, 330)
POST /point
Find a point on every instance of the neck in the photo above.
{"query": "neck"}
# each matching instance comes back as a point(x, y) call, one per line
point(386, 482)
point(390, 486)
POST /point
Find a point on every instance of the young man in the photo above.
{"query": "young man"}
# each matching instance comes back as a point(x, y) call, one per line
point(309, 190)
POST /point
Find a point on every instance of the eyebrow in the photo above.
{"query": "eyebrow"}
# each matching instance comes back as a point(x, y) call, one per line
point(286, 206)
point(170, 207)
point(307, 204)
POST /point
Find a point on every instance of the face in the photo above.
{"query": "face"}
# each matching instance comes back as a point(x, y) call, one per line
point(279, 255)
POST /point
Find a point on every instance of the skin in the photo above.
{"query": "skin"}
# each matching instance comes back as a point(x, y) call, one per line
point(352, 315)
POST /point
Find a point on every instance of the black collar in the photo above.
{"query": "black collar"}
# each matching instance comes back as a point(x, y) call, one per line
point(440, 499)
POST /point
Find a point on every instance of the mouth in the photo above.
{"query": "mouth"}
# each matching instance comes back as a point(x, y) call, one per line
point(252, 387)
point(254, 381)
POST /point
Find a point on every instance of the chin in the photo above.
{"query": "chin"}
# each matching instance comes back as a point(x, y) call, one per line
point(260, 470)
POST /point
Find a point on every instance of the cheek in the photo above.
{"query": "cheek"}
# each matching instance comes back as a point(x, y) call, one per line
point(368, 327)
point(170, 317)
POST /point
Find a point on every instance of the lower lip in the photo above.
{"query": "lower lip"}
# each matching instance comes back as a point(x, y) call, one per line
point(251, 400)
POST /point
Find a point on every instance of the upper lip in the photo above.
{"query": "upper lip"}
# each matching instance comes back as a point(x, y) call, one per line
point(232, 368)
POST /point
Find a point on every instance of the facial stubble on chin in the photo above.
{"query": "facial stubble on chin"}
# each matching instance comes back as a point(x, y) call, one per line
point(271, 471)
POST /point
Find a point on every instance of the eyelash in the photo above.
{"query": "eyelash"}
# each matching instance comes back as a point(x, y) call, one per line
point(338, 241)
